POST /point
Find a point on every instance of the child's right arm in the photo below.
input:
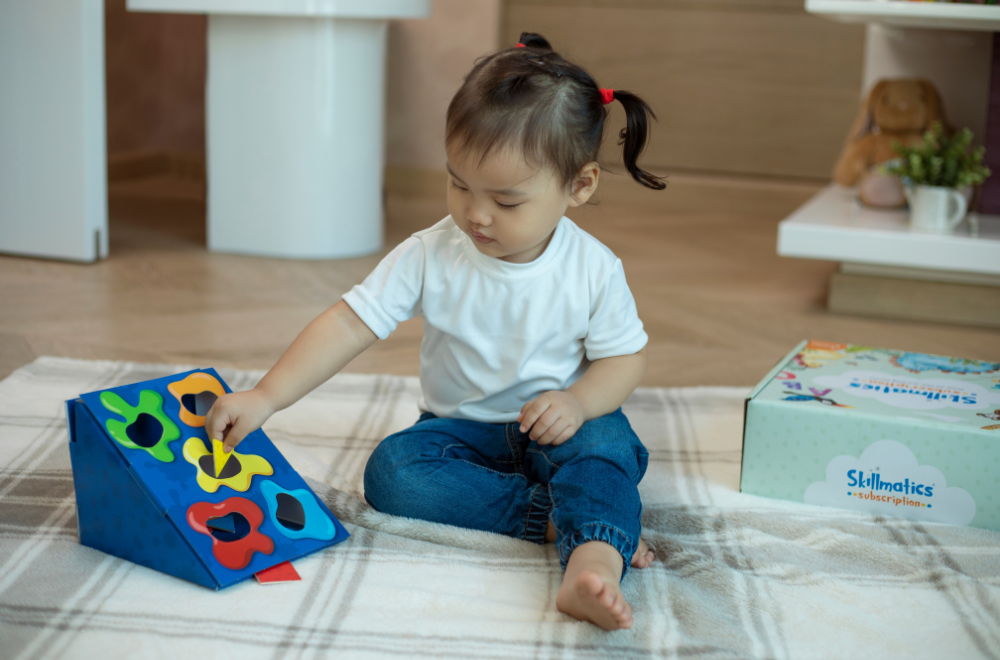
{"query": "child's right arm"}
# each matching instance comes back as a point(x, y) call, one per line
point(327, 344)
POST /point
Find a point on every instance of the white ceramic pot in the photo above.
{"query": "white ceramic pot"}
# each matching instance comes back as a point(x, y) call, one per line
point(935, 210)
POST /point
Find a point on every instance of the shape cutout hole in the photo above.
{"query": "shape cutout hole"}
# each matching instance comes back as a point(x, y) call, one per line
point(290, 512)
point(199, 404)
point(145, 431)
point(242, 528)
point(230, 469)
point(223, 523)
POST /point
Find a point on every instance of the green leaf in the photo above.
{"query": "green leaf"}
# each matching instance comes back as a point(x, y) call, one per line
point(939, 160)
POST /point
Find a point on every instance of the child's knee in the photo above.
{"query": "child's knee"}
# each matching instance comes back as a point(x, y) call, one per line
point(383, 473)
point(612, 439)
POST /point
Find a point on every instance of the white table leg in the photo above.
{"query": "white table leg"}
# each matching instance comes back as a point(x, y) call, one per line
point(294, 119)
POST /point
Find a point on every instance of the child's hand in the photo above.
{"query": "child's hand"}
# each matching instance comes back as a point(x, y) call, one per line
point(553, 417)
point(235, 416)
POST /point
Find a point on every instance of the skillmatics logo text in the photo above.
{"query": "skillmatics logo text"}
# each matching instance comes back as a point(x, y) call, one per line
point(911, 392)
point(887, 478)
point(874, 484)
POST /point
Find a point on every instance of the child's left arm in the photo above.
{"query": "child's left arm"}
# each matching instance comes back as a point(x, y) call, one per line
point(555, 417)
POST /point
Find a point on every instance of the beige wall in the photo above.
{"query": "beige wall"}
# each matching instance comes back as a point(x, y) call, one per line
point(155, 73)
point(740, 87)
point(427, 61)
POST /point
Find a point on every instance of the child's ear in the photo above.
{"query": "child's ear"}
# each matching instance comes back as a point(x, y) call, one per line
point(584, 183)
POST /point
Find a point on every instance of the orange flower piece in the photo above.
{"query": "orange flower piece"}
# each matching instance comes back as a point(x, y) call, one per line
point(196, 394)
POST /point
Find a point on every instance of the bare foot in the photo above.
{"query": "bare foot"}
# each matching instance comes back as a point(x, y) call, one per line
point(642, 558)
point(590, 590)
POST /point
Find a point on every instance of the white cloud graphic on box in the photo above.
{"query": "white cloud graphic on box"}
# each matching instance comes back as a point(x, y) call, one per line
point(910, 392)
point(887, 479)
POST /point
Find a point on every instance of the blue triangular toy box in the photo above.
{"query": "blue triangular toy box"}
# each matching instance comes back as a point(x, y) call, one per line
point(147, 489)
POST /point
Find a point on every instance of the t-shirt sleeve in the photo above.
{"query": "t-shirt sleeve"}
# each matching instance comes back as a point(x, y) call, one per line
point(615, 328)
point(391, 293)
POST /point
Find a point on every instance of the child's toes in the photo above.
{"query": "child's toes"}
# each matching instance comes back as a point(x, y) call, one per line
point(621, 610)
point(643, 556)
point(624, 618)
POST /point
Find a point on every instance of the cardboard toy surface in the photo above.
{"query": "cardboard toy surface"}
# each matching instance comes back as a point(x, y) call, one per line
point(904, 434)
point(147, 487)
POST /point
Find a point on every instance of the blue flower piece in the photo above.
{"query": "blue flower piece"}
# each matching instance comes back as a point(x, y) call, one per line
point(296, 513)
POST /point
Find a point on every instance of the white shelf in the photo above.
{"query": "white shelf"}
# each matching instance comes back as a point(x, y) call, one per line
point(365, 9)
point(833, 226)
point(940, 15)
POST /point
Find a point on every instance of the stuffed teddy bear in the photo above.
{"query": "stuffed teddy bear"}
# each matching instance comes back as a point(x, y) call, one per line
point(895, 111)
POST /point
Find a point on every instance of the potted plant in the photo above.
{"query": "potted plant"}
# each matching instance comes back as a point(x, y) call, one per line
point(934, 173)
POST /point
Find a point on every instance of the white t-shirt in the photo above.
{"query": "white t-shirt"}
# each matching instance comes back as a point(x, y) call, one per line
point(498, 334)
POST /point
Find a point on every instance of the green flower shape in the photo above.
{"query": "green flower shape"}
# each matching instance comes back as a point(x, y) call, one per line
point(145, 426)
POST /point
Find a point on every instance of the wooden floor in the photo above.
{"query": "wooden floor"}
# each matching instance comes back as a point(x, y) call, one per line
point(719, 306)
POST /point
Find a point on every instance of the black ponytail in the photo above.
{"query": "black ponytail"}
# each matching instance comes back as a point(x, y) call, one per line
point(551, 110)
point(532, 40)
point(635, 136)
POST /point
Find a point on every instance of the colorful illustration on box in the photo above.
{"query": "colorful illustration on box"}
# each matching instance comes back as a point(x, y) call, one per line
point(919, 362)
point(814, 358)
point(235, 538)
point(237, 472)
point(798, 396)
point(818, 354)
point(145, 427)
point(296, 513)
point(196, 394)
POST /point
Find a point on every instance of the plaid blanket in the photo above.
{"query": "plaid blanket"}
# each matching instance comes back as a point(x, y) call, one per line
point(735, 576)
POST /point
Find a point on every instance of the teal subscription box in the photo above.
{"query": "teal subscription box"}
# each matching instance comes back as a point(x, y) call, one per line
point(890, 432)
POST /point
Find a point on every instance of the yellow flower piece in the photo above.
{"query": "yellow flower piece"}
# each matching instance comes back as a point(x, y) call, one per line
point(237, 472)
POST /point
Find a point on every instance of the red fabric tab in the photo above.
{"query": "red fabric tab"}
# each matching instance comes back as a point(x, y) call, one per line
point(283, 572)
point(607, 95)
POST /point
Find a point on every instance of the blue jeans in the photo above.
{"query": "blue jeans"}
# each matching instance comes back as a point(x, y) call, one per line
point(494, 478)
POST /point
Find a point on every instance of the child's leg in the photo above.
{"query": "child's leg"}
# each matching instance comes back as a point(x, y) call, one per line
point(642, 557)
point(593, 482)
point(458, 472)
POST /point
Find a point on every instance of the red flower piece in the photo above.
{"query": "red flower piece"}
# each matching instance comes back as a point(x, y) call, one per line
point(233, 555)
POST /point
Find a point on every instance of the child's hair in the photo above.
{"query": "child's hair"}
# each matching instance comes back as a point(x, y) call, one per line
point(528, 97)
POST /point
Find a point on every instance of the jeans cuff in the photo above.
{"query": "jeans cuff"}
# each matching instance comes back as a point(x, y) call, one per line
point(539, 507)
point(613, 536)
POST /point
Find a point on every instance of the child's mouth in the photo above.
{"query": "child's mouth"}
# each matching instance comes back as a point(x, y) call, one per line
point(479, 237)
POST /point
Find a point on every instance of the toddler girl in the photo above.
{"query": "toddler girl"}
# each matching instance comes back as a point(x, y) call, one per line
point(531, 336)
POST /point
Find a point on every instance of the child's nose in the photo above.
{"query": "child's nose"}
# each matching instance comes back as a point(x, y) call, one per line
point(478, 216)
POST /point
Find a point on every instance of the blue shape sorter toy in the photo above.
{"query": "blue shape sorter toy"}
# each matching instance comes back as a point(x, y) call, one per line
point(147, 488)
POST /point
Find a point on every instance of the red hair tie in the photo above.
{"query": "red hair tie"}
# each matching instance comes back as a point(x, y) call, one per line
point(520, 45)
point(607, 95)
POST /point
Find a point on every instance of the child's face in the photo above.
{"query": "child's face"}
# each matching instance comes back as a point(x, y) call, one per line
point(510, 208)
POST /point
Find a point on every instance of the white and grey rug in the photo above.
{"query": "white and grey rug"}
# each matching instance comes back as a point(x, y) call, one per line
point(736, 576)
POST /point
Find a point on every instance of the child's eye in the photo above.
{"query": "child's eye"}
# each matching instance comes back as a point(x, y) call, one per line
point(507, 206)
point(455, 185)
